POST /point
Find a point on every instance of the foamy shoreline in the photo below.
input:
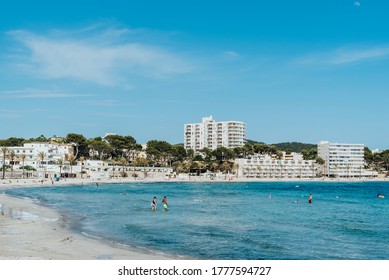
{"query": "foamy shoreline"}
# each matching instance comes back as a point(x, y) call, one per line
point(31, 231)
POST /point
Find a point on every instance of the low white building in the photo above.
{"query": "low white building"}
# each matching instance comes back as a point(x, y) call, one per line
point(343, 160)
point(265, 166)
point(52, 153)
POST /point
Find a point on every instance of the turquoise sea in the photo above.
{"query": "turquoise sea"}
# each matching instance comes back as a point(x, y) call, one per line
point(232, 220)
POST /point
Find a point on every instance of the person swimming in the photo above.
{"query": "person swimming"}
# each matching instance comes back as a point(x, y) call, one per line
point(164, 203)
point(154, 203)
point(310, 198)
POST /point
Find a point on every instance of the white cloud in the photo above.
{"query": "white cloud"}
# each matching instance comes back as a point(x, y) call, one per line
point(231, 54)
point(350, 56)
point(104, 57)
point(345, 56)
point(38, 93)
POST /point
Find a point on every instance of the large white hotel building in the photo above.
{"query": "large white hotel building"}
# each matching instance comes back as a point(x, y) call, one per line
point(211, 134)
point(343, 160)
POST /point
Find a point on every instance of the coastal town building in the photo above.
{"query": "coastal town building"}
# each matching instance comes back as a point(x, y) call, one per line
point(52, 152)
point(211, 134)
point(268, 167)
point(343, 160)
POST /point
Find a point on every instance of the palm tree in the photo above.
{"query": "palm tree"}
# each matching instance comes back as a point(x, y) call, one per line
point(72, 161)
point(123, 162)
point(23, 158)
point(313, 169)
point(4, 150)
point(235, 168)
point(113, 162)
point(60, 164)
point(41, 156)
point(259, 171)
point(12, 157)
point(143, 161)
point(82, 160)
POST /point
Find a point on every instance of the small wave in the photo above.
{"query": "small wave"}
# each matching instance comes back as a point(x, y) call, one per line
point(27, 216)
point(91, 235)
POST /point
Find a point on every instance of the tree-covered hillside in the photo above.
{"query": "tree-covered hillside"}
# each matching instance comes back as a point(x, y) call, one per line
point(296, 147)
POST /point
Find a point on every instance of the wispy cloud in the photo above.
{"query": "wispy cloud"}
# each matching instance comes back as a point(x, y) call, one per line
point(115, 115)
point(103, 103)
point(9, 114)
point(345, 56)
point(107, 56)
point(357, 4)
point(38, 93)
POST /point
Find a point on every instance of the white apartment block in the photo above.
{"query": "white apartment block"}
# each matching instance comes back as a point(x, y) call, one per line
point(267, 167)
point(210, 134)
point(52, 151)
point(343, 160)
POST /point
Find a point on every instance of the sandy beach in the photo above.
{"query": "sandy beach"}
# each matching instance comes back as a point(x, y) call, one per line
point(31, 231)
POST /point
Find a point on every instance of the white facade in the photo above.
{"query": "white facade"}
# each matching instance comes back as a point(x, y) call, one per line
point(210, 134)
point(52, 151)
point(265, 166)
point(343, 160)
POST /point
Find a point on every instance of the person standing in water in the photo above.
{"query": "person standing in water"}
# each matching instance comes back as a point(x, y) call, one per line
point(164, 203)
point(310, 198)
point(154, 203)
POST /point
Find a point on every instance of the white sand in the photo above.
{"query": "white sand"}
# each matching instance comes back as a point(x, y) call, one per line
point(30, 231)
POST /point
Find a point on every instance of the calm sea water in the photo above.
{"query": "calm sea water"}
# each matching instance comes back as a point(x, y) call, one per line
point(232, 220)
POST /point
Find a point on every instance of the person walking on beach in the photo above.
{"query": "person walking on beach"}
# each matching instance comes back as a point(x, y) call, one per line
point(164, 203)
point(310, 198)
point(154, 203)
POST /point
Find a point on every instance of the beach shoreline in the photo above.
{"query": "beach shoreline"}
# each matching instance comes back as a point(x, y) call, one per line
point(32, 231)
point(29, 231)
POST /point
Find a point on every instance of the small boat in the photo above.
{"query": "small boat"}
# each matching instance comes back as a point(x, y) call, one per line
point(380, 196)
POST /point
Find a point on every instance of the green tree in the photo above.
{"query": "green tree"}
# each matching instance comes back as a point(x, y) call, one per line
point(309, 154)
point(12, 142)
point(320, 161)
point(122, 146)
point(80, 143)
point(159, 151)
point(99, 146)
point(385, 159)
point(207, 154)
point(222, 154)
point(368, 156)
point(178, 153)
point(40, 139)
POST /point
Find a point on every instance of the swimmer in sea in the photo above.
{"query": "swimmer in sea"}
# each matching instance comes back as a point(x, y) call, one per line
point(154, 204)
point(164, 203)
point(310, 198)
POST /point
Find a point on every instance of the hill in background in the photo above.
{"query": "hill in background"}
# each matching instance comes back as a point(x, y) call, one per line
point(296, 147)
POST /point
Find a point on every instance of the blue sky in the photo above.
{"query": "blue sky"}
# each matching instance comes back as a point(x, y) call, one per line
point(291, 70)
